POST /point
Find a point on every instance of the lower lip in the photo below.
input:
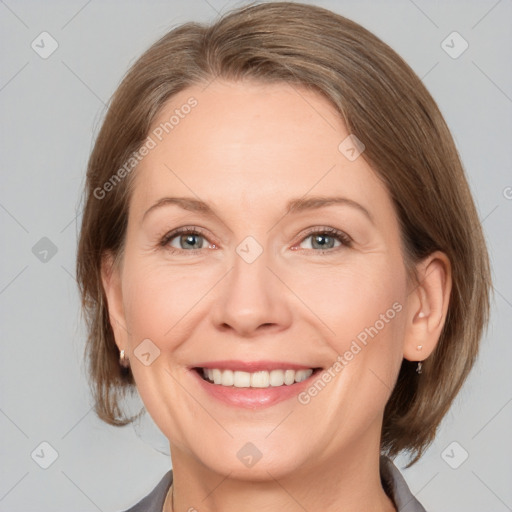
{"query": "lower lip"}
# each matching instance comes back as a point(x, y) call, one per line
point(252, 398)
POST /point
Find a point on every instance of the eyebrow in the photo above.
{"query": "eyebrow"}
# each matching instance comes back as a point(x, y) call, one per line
point(315, 202)
point(293, 206)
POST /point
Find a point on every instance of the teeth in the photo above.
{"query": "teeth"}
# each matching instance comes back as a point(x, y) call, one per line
point(242, 380)
point(289, 377)
point(228, 378)
point(261, 379)
point(217, 376)
point(277, 377)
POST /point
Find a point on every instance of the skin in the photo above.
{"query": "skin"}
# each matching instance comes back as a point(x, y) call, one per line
point(246, 149)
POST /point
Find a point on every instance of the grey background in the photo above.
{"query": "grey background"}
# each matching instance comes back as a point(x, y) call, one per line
point(51, 110)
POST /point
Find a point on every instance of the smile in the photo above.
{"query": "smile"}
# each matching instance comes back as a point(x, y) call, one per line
point(252, 384)
point(258, 379)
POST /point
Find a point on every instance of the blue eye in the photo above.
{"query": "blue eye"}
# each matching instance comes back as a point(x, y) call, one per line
point(321, 241)
point(324, 240)
point(185, 239)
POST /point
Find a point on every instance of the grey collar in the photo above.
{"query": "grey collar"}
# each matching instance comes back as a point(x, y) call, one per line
point(396, 487)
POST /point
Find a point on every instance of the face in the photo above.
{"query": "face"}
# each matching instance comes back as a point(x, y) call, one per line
point(260, 256)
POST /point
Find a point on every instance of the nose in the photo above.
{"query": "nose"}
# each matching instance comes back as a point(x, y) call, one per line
point(252, 300)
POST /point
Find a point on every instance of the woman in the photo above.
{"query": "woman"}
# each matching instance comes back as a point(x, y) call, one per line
point(279, 249)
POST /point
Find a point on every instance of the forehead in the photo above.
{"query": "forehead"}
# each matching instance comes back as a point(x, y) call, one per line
point(251, 143)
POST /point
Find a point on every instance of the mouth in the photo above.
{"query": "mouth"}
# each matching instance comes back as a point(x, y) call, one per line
point(253, 385)
point(259, 379)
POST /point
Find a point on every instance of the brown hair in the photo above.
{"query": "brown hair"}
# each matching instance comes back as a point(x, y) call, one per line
point(382, 102)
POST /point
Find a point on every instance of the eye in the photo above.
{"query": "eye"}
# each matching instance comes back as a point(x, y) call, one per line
point(324, 240)
point(192, 239)
point(185, 239)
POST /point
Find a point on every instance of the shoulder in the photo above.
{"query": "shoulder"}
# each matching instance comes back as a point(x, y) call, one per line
point(397, 489)
point(154, 501)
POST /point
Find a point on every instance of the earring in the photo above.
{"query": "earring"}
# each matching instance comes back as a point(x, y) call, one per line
point(123, 360)
point(420, 364)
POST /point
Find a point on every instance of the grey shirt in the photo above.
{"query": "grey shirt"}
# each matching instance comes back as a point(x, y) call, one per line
point(392, 481)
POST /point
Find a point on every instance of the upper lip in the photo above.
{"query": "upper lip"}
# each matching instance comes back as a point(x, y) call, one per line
point(253, 366)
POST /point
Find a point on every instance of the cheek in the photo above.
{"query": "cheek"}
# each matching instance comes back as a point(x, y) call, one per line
point(361, 307)
point(364, 311)
point(159, 298)
point(163, 304)
point(355, 297)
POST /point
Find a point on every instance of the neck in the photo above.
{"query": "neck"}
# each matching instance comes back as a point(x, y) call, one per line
point(349, 482)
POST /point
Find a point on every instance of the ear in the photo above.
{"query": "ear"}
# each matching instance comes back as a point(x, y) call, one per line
point(427, 306)
point(111, 280)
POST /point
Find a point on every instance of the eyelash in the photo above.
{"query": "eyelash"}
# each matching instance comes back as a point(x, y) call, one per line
point(342, 237)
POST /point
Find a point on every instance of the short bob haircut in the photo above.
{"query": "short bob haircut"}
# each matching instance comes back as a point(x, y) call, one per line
point(383, 102)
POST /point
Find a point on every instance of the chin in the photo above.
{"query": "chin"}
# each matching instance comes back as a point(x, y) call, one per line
point(250, 457)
